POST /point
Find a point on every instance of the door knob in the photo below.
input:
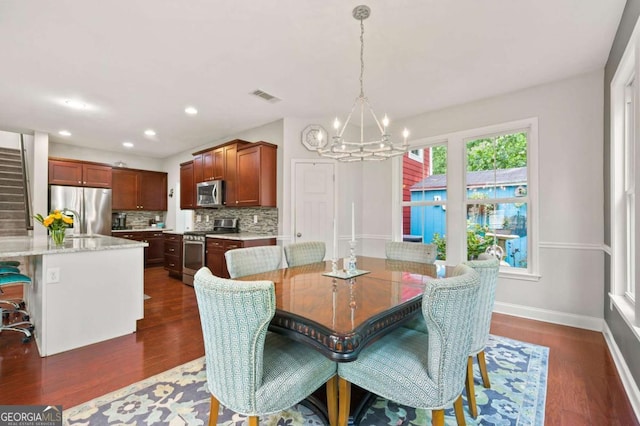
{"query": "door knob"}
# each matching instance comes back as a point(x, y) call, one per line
point(298, 235)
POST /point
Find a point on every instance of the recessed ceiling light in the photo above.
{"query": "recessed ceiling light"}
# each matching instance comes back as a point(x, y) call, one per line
point(64, 133)
point(127, 144)
point(150, 132)
point(75, 104)
point(191, 110)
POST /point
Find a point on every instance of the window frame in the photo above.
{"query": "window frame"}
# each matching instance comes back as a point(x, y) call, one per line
point(624, 254)
point(416, 157)
point(457, 198)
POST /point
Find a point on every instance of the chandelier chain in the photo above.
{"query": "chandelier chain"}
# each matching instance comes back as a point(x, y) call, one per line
point(361, 58)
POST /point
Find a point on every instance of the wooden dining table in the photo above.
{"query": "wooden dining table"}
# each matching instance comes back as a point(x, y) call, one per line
point(340, 317)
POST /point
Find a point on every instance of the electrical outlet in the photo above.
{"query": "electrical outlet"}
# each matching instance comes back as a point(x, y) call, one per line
point(206, 218)
point(157, 218)
point(255, 218)
point(198, 218)
point(53, 275)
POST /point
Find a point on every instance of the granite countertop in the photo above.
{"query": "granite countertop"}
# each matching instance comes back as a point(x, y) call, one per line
point(146, 229)
point(241, 236)
point(38, 245)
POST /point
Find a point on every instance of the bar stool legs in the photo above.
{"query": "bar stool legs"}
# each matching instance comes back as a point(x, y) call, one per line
point(13, 313)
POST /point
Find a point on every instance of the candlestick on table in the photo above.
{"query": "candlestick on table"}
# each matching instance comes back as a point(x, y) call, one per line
point(334, 261)
point(353, 222)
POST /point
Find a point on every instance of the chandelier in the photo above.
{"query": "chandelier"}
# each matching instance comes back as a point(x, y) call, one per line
point(371, 150)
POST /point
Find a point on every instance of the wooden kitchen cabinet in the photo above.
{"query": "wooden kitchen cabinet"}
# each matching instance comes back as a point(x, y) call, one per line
point(249, 172)
point(209, 164)
point(217, 247)
point(187, 186)
point(173, 254)
point(154, 253)
point(256, 175)
point(79, 173)
point(139, 190)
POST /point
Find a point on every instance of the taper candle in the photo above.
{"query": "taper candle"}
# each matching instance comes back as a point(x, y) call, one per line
point(353, 222)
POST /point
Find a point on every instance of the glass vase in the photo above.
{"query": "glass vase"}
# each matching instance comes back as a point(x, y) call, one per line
point(57, 235)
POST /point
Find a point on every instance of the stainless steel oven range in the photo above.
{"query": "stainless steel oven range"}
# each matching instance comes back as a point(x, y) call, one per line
point(194, 247)
point(193, 254)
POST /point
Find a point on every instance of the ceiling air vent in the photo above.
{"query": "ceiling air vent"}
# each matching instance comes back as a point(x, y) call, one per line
point(264, 95)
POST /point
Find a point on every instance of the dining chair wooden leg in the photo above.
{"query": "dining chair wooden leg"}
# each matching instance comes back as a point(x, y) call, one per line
point(482, 363)
point(471, 393)
point(213, 411)
point(253, 420)
point(457, 407)
point(332, 400)
point(344, 397)
point(437, 417)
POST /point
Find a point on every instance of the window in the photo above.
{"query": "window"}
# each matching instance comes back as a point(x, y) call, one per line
point(490, 175)
point(497, 200)
point(424, 196)
point(623, 181)
point(629, 187)
point(416, 155)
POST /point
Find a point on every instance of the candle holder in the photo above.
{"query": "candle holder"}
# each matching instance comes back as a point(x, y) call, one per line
point(352, 255)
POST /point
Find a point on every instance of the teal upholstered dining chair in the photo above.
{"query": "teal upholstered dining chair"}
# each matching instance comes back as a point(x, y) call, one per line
point(418, 369)
point(304, 253)
point(250, 370)
point(412, 252)
point(488, 272)
point(253, 260)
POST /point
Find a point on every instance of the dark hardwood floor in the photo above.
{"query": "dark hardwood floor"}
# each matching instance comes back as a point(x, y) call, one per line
point(583, 385)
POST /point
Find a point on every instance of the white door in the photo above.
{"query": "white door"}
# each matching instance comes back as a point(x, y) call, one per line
point(314, 198)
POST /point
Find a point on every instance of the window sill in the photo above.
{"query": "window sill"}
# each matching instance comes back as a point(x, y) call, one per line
point(518, 275)
point(627, 312)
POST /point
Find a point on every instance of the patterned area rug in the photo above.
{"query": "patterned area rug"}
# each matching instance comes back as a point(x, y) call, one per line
point(517, 370)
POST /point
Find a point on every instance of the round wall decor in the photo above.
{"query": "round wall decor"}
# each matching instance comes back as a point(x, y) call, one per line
point(314, 137)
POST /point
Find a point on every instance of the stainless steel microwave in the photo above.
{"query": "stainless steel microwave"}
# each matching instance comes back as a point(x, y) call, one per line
point(210, 193)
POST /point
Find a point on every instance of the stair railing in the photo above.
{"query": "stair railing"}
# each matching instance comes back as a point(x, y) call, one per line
point(28, 220)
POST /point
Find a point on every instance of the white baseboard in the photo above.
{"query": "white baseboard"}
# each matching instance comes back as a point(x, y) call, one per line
point(628, 382)
point(555, 317)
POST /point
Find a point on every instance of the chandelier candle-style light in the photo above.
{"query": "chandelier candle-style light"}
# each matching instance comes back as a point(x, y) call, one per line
point(378, 149)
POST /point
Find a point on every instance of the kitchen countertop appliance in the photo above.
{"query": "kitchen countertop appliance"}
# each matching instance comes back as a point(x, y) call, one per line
point(89, 207)
point(194, 246)
point(118, 221)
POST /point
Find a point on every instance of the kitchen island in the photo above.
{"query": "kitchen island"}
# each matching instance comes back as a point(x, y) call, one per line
point(88, 291)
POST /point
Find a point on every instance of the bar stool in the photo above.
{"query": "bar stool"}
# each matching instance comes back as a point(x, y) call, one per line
point(10, 275)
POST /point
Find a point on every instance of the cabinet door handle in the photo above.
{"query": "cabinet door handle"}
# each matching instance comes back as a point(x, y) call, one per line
point(172, 264)
point(172, 250)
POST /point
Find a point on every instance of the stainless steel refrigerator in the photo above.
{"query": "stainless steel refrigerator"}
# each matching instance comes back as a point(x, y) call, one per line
point(90, 207)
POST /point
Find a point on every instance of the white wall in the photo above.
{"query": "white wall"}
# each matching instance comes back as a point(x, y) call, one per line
point(9, 140)
point(570, 131)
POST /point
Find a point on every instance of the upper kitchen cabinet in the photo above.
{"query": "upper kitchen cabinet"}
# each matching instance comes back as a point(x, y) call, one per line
point(139, 190)
point(79, 173)
point(209, 165)
point(248, 170)
point(187, 186)
point(256, 175)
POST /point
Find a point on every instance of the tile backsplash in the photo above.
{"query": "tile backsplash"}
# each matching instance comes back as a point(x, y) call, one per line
point(267, 219)
point(142, 219)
